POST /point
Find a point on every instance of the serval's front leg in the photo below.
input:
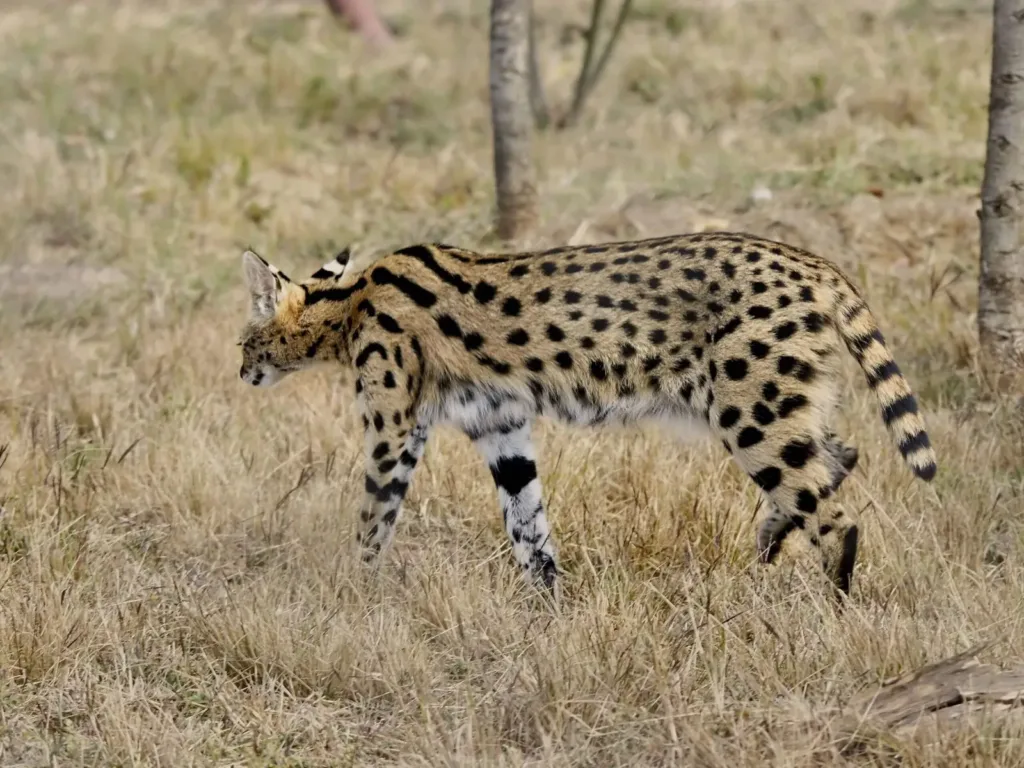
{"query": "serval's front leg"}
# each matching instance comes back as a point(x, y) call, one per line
point(394, 444)
point(510, 455)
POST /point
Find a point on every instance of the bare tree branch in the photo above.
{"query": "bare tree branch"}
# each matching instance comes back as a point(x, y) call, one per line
point(590, 72)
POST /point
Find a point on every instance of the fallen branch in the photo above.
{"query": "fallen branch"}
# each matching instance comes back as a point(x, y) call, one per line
point(954, 691)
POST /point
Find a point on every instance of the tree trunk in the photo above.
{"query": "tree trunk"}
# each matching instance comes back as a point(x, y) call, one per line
point(1001, 285)
point(511, 117)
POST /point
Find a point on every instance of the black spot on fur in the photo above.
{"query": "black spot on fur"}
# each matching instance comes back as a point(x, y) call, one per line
point(518, 337)
point(484, 292)
point(791, 404)
point(759, 349)
point(806, 501)
point(768, 479)
point(472, 341)
point(749, 437)
point(729, 417)
point(736, 368)
point(814, 322)
point(784, 330)
point(762, 414)
point(797, 453)
point(449, 327)
point(722, 331)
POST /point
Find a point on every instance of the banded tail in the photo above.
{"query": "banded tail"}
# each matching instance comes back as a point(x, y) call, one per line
point(859, 330)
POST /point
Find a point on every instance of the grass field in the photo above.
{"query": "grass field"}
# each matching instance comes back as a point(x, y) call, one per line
point(177, 580)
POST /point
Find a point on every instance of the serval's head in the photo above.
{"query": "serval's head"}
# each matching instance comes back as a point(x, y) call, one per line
point(282, 334)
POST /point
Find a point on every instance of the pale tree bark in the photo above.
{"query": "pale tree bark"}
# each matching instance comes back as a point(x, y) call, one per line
point(538, 103)
point(1001, 284)
point(512, 117)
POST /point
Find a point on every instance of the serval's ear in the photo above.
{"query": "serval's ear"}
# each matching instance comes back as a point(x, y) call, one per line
point(335, 267)
point(266, 284)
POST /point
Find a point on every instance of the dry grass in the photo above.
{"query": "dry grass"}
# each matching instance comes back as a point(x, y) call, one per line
point(177, 585)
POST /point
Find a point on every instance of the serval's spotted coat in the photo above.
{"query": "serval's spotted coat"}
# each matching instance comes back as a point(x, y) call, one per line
point(728, 332)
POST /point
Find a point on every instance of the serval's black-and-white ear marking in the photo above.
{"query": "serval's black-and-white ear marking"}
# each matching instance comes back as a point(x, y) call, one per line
point(335, 267)
point(734, 334)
